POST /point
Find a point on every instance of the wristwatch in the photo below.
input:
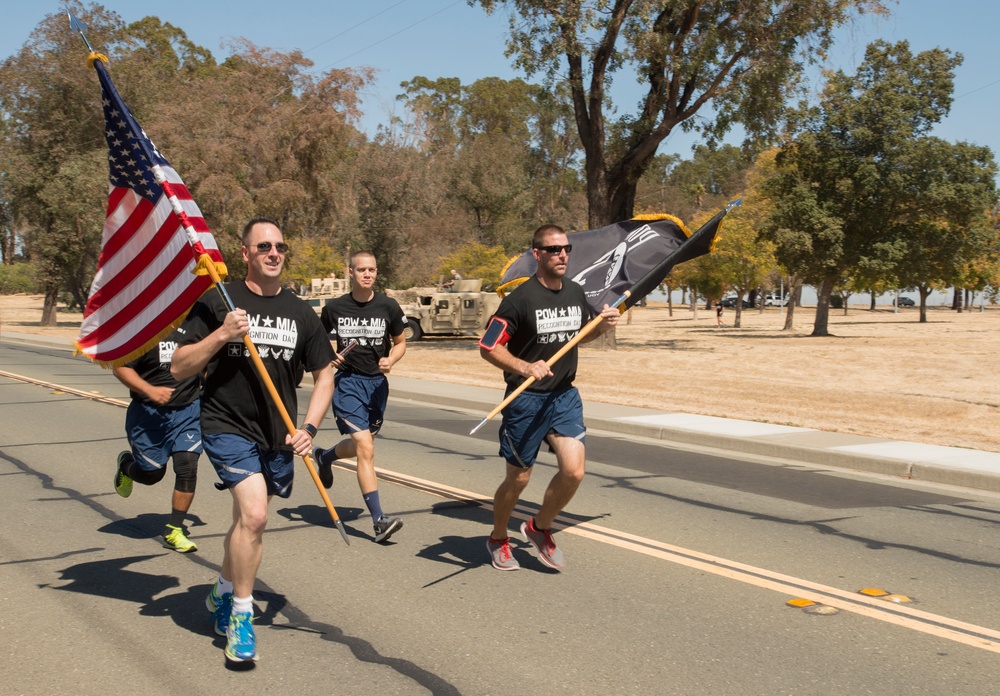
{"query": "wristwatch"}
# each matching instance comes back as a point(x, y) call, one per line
point(309, 428)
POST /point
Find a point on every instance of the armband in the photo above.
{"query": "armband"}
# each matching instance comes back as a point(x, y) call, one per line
point(496, 334)
point(309, 428)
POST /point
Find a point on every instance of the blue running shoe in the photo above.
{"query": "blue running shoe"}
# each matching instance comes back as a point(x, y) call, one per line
point(241, 643)
point(221, 608)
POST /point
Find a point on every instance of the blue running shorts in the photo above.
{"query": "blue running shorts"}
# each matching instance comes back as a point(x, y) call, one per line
point(236, 458)
point(359, 402)
point(154, 432)
point(532, 416)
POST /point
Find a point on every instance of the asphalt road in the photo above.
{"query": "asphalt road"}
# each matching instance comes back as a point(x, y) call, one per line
point(680, 568)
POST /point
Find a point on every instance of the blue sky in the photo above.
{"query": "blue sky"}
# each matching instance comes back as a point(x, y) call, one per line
point(447, 38)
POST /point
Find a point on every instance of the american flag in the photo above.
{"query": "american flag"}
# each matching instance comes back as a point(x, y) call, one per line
point(155, 249)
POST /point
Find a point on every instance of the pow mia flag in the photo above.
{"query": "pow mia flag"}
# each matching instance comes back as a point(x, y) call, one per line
point(609, 260)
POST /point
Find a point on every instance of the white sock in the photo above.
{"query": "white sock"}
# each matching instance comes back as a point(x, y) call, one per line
point(243, 605)
point(222, 586)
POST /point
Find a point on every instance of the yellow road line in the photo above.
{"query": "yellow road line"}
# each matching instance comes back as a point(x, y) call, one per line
point(863, 605)
point(870, 607)
point(69, 390)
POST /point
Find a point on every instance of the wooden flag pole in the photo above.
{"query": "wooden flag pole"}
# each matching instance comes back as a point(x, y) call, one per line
point(276, 398)
point(697, 244)
point(581, 334)
point(206, 262)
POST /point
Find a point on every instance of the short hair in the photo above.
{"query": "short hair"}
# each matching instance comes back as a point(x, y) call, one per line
point(260, 219)
point(544, 231)
point(361, 252)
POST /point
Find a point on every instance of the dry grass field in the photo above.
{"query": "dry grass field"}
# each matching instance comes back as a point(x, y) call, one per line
point(881, 374)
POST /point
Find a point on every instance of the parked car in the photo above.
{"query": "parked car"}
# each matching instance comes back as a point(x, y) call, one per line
point(731, 299)
point(905, 302)
point(772, 299)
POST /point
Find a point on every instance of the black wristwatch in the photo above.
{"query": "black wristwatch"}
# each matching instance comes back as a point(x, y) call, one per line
point(309, 428)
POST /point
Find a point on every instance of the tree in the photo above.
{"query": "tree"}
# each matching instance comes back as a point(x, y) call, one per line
point(506, 148)
point(946, 232)
point(738, 59)
point(53, 132)
point(8, 237)
point(476, 261)
point(842, 188)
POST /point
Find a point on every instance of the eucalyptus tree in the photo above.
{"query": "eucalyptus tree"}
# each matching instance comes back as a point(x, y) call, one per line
point(731, 62)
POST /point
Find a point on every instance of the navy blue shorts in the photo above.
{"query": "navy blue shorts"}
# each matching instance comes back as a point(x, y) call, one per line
point(532, 416)
point(155, 432)
point(359, 402)
point(236, 458)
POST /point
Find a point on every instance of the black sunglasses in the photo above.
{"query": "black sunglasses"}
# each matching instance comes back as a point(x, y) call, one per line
point(264, 247)
point(556, 248)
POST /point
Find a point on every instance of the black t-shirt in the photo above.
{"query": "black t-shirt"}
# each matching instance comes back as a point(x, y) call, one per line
point(540, 322)
point(372, 324)
point(154, 367)
point(286, 332)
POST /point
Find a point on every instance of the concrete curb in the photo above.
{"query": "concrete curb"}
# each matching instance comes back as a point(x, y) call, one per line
point(953, 466)
point(904, 460)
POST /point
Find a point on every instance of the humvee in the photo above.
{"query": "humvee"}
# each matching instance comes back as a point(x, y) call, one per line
point(323, 289)
point(461, 310)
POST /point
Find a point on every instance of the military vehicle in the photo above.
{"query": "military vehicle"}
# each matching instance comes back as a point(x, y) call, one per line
point(460, 310)
point(323, 289)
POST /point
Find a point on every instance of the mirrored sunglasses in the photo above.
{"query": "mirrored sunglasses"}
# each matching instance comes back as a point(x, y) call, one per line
point(556, 248)
point(264, 247)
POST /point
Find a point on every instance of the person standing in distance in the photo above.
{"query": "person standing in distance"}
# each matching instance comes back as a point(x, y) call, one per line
point(162, 422)
point(245, 436)
point(375, 322)
point(530, 326)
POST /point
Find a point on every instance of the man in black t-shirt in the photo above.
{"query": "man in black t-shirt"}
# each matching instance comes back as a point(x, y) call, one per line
point(161, 423)
point(244, 434)
point(531, 325)
point(367, 330)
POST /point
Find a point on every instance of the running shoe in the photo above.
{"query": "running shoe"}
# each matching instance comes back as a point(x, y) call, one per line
point(501, 555)
point(123, 484)
point(325, 470)
point(221, 608)
point(241, 643)
point(386, 527)
point(541, 539)
point(174, 538)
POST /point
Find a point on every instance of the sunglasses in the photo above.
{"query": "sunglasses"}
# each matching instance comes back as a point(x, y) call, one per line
point(264, 247)
point(556, 248)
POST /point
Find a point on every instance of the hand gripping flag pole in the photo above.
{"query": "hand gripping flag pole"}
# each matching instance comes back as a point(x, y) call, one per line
point(276, 398)
point(698, 244)
point(127, 313)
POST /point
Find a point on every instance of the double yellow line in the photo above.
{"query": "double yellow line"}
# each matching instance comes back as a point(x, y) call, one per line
point(863, 605)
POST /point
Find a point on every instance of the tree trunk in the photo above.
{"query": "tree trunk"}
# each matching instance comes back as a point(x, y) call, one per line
point(49, 306)
point(606, 341)
point(924, 293)
point(822, 323)
point(794, 298)
point(872, 307)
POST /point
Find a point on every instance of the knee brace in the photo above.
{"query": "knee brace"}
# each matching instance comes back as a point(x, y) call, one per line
point(147, 478)
point(186, 470)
